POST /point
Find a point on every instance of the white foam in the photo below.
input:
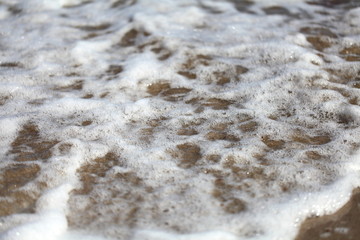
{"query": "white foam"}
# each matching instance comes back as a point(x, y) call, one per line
point(254, 78)
point(352, 17)
point(51, 220)
point(8, 127)
point(212, 235)
point(86, 52)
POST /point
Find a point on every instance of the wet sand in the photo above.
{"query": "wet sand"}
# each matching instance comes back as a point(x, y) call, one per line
point(342, 225)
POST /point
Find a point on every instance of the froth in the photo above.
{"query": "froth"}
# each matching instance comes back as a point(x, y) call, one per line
point(176, 120)
point(50, 222)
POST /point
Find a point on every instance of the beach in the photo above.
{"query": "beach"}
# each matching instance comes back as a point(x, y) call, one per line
point(179, 120)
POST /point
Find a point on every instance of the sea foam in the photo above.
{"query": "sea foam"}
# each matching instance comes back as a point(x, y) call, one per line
point(176, 119)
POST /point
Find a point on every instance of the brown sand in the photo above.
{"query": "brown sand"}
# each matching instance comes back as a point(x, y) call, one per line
point(342, 225)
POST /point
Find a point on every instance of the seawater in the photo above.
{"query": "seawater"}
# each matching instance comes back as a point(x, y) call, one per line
point(186, 120)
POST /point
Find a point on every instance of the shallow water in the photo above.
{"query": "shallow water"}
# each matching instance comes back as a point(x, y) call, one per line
point(176, 119)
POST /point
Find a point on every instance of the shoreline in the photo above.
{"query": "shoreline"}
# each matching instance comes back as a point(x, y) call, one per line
point(343, 224)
